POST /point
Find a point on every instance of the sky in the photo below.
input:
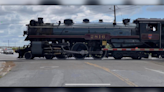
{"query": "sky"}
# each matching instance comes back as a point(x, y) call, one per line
point(13, 18)
point(82, 2)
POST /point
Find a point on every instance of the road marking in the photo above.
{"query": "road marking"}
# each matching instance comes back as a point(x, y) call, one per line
point(86, 84)
point(154, 58)
point(57, 78)
point(118, 76)
point(118, 70)
point(158, 71)
point(49, 67)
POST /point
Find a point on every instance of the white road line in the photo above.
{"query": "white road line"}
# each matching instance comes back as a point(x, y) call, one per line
point(154, 58)
point(83, 84)
point(49, 66)
point(158, 71)
point(118, 70)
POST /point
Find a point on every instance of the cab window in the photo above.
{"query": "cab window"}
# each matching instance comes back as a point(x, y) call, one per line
point(151, 27)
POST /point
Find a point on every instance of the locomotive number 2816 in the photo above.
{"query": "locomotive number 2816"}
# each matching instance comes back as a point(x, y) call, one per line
point(97, 36)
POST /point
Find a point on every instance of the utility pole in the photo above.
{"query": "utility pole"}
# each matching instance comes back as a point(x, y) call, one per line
point(114, 23)
point(8, 43)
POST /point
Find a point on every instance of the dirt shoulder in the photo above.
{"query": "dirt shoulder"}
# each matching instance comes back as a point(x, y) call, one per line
point(6, 67)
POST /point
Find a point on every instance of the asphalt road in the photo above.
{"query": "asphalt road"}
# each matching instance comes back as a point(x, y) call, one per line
point(88, 72)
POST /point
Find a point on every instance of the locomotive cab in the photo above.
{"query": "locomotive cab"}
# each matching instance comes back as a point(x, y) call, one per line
point(150, 31)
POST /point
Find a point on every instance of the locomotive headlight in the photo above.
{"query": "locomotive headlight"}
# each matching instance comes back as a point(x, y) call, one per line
point(24, 33)
point(104, 43)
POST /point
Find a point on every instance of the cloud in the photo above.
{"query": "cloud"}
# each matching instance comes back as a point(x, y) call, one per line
point(13, 18)
point(1, 31)
point(20, 35)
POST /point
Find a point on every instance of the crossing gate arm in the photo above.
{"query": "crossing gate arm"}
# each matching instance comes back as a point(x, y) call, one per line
point(132, 49)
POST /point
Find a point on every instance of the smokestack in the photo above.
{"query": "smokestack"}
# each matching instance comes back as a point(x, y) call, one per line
point(100, 20)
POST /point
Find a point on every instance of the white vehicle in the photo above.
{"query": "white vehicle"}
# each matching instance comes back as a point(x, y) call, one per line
point(1, 51)
point(8, 51)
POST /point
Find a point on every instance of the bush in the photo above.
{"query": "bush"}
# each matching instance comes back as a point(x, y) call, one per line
point(16, 48)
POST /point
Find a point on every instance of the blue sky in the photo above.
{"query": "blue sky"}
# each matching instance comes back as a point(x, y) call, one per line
point(13, 18)
point(144, 13)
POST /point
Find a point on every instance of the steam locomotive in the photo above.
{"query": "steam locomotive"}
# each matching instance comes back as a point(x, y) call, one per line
point(61, 40)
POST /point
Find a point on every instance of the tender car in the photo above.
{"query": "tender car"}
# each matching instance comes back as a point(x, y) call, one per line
point(1, 51)
point(8, 51)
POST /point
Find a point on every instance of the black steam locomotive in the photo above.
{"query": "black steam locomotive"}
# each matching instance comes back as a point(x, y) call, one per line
point(95, 40)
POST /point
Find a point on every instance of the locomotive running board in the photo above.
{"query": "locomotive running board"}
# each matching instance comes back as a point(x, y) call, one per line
point(132, 49)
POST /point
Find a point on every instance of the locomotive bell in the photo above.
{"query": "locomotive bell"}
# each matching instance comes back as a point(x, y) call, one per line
point(85, 20)
point(126, 21)
point(68, 22)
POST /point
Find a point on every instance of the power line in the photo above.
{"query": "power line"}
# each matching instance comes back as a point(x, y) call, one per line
point(47, 17)
point(127, 8)
point(106, 12)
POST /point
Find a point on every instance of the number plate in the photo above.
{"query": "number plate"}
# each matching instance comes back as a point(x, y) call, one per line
point(97, 36)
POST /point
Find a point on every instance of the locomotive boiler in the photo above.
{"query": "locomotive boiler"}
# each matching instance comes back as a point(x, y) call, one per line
point(87, 39)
